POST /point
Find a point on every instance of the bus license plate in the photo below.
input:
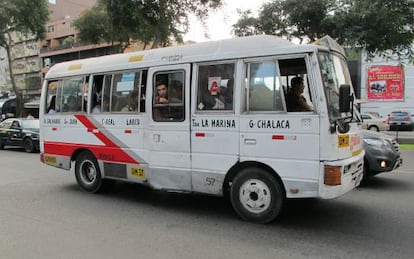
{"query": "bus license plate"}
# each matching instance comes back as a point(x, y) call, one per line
point(50, 160)
point(138, 172)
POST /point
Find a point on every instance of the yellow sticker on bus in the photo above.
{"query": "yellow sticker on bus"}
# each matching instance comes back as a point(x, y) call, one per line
point(138, 172)
point(75, 67)
point(343, 140)
point(136, 58)
point(357, 152)
point(50, 160)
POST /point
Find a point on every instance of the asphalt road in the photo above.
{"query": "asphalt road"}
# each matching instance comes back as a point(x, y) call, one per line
point(43, 214)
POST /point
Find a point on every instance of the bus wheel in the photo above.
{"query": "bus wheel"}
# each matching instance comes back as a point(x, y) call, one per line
point(256, 195)
point(87, 172)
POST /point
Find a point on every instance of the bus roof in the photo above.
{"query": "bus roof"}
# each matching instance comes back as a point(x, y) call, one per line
point(243, 47)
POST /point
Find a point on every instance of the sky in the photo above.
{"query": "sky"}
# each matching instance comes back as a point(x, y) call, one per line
point(220, 22)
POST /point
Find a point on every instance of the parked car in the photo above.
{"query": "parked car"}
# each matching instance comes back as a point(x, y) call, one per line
point(399, 120)
point(382, 153)
point(21, 132)
point(372, 122)
point(374, 113)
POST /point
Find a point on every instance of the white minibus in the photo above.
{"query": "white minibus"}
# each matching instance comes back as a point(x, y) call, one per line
point(257, 119)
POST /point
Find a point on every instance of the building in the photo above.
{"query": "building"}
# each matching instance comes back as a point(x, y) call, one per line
point(61, 44)
point(3, 70)
point(61, 9)
point(26, 64)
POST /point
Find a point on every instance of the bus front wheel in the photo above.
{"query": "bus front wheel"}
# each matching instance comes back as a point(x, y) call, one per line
point(87, 172)
point(256, 195)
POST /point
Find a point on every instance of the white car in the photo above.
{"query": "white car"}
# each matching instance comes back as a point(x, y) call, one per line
point(372, 122)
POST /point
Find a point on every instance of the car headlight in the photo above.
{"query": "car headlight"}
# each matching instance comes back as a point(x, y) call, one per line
point(377, 142)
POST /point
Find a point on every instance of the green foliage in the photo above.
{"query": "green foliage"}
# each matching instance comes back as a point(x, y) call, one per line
point(246, 25)
point(406, 146)
point(374, 25)
point(26, 17)
point(147, 21)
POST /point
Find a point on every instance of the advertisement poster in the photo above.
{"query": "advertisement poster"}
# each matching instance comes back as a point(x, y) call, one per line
point(385, 83)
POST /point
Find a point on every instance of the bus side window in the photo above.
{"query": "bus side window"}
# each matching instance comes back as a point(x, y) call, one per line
point(168, 98)
point(97, 91)
point(124, 91)
point(215, 87)
point(142, 84)
point(264, 88)
point(294, 73)
point(106, 94)
point(51, 97)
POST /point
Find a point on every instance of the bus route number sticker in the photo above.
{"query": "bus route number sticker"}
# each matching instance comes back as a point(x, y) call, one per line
point(343, 141)
point(138, 172)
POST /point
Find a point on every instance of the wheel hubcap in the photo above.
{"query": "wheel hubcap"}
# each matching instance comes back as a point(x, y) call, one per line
point(255, 196)
point(88, 172)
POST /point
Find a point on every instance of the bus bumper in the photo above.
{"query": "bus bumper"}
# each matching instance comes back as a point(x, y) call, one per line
point(340, 176)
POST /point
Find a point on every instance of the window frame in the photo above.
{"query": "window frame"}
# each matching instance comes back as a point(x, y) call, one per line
point(276, 59)
point(196, 88)
point(177, 105)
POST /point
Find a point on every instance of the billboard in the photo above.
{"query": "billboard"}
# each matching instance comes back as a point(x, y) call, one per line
point(385, 83)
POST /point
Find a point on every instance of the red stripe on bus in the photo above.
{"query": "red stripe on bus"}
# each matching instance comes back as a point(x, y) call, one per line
point(109, 154)
point(278, 137)
point(200, 134)
point(91, 127)
point(105, 140)
point(54, 129)
point(128, 131)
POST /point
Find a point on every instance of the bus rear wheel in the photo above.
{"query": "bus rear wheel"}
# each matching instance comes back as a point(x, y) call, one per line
point(87, 172)
point(256, 195)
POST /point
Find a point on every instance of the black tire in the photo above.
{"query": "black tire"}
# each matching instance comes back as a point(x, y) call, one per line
point(28, 145)
point(87, 173)
point(366, 174)
point(375, 128)
point(256, 195)
point(1, 145)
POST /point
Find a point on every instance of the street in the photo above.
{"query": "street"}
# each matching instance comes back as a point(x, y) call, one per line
point(45, 215)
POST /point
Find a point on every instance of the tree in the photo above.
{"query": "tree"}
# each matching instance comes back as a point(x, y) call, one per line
point(24, 16)
point(374, 25)
point(246, 25)
point(123, 21)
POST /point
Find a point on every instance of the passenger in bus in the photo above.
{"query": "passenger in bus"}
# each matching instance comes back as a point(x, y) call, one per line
point(220, 99)
point(294, 99)
point(96, 105)
point(132, 104)
point(52, 106)
point(162, 93)
point(71, 105)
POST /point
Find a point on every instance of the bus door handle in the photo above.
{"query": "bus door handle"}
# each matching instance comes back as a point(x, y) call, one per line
point(157, 137)
point(250, 141)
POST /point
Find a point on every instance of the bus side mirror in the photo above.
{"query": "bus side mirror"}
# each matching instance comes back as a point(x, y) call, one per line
point(345, 98)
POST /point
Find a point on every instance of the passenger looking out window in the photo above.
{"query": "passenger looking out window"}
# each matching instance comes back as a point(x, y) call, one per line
point(168, 96)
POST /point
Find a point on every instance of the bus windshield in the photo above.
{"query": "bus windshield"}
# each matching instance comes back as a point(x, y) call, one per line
point(334, 71)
